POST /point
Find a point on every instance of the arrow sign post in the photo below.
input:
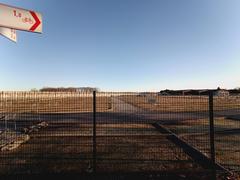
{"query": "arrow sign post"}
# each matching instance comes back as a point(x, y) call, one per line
point(9, 33)
point(20, 19)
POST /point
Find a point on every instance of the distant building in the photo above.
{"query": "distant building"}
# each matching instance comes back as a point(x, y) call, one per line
point(163, 94)
point(87, 89)
point(195, 92)
point(234, 92)
point(221, 92)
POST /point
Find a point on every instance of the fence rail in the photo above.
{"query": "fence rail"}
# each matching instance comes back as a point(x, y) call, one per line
point(105, 132)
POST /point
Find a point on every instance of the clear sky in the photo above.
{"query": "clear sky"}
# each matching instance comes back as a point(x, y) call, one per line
point(126, 45)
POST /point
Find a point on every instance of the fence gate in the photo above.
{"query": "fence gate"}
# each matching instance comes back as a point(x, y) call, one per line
point(227, 132)
point(128, 140)
point(122, 133)
point(45, 133)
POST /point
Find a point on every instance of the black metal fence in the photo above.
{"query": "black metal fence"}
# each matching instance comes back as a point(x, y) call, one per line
point(118, 133)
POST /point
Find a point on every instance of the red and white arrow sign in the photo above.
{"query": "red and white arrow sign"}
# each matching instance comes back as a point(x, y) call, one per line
point(9, 33)
point(20, 19)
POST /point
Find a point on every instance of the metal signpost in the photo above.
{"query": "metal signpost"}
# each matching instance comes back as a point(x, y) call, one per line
point(13, 18)
point(9, 33)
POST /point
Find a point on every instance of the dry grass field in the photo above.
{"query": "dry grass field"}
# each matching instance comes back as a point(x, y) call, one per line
point(194, 128)
point(181, 103)
point(66, 147)
point(126, 139)
point(227, 138)
point(51, 103)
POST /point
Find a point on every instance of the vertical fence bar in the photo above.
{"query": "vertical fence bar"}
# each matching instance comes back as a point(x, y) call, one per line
point(94, 132)
point(211, 122)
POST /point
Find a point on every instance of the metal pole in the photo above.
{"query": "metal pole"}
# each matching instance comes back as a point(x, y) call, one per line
point(6, 126)
point(94, 132)
point(211, 122)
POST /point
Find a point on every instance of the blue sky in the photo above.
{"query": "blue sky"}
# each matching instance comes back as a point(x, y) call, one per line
point(126, 45)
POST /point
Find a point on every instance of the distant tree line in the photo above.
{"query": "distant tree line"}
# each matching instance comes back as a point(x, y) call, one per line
point(69, 89)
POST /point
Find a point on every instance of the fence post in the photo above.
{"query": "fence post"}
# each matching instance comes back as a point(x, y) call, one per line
point(212, 138)
point(94, 132)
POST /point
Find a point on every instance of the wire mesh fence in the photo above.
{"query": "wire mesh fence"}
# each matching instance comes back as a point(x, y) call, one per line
point(127, 139)
point(49, 129)
point(105, 132)
point(227, 131)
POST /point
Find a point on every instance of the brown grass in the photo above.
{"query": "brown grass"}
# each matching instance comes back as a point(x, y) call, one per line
point(182, 103)
point(66, 146)
point(51, 103)
point(118, 150)
point(227, 144)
